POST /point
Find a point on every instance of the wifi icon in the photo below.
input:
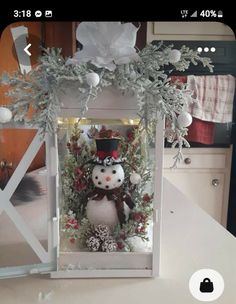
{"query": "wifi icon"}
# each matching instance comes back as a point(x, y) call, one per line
point(194, 15)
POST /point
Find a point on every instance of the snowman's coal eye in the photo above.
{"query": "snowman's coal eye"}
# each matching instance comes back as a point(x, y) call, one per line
point(99, 183)
point(102, 170)
point(96, 177)
point(119, 180)
point(114, 171)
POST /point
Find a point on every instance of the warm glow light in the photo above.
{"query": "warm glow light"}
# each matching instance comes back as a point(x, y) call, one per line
point(60, 121)
point(94, 121)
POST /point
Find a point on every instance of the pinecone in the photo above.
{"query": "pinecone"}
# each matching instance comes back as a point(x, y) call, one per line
point(102, 232)
point(86, 231)
point(93, 243)
point(109, 245)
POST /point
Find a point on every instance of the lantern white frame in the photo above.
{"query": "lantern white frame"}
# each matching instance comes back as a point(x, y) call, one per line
point(111, 104)
point(48, 257)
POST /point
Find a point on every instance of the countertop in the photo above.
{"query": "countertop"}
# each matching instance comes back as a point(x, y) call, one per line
point(191, 240)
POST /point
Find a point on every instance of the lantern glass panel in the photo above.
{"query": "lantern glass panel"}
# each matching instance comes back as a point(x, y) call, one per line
point(106, 169)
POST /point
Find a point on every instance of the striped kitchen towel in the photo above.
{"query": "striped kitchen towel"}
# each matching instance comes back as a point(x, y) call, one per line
point(199, 131)
point(214, 97)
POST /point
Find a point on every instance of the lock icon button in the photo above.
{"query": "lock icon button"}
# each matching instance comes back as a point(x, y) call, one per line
point(206, 286)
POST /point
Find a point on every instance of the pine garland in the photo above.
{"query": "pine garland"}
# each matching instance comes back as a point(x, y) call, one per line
point(145, 78)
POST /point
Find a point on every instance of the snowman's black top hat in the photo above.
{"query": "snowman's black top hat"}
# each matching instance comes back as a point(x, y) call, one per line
point(107, 151)
point(107, 147)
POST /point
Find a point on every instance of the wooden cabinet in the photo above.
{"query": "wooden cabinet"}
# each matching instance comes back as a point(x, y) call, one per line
point(14, 142)
point(160, 30)
point(204, 177)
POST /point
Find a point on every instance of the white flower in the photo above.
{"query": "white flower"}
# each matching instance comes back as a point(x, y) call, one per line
point(106, 44)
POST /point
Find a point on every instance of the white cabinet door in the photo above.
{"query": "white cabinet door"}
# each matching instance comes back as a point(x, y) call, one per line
point(206, 189)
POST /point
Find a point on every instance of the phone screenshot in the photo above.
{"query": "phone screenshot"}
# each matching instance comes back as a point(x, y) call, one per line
point(117, 157)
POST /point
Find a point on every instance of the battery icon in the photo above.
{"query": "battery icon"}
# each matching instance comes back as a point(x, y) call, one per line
point(220, 14)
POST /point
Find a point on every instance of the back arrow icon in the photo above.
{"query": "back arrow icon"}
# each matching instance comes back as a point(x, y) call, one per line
point(26, 49)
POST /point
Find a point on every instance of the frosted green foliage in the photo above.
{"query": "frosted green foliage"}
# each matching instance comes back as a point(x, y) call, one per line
point(144, 78)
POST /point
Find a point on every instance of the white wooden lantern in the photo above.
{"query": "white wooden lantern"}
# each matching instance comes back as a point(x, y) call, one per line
point(111, 104)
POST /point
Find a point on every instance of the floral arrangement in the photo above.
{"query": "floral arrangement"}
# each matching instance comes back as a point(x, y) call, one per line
point(70, 226)
point(77, 183)
point(106, 133)
point(108, 58)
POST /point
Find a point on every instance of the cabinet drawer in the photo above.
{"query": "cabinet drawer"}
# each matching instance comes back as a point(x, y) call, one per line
point(192, 161)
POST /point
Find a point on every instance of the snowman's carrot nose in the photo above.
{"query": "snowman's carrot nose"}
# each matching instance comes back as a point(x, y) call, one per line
point(108, 178)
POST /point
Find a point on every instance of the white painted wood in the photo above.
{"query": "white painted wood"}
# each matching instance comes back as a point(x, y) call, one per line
point(226, 188)
point(53, 181)
point(52, 173)
point(104, 273)
point(112, 104)
point(157, 202)
point(27, 233)
point(183, 30)
point(197, 187)
point(217, 161)
point(195, 179)
point(55, 230)
point(23, 166)
point(8, 191)
point(192, 28)
point(48, 258)
point(98, 113)
point(103, 260)
point(20, 271)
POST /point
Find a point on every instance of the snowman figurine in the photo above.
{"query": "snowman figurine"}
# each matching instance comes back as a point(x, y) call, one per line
point(107, 203)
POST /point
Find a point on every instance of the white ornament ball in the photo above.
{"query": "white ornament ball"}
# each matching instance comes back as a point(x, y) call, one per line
point(132, 75)
point(135, 178)
point(174, 56)
point(5, 115)
point(184, 120)
point(92, 79)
